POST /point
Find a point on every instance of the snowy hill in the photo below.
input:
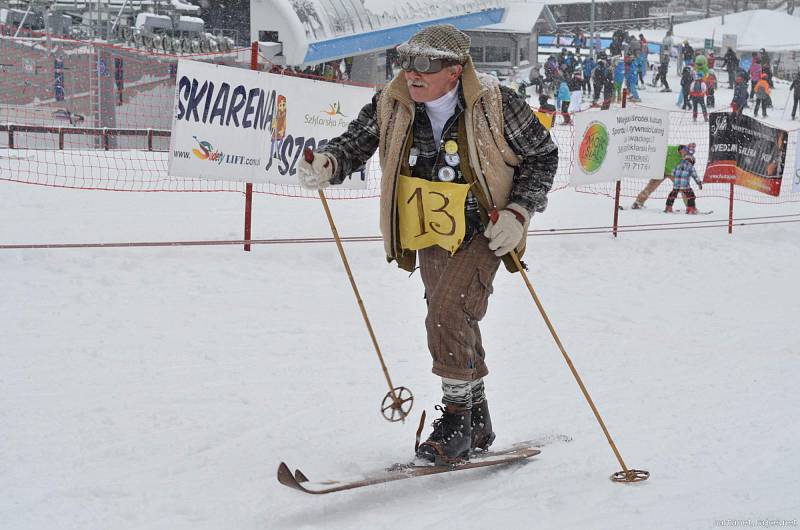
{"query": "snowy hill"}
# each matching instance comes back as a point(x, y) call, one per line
point(160, 388)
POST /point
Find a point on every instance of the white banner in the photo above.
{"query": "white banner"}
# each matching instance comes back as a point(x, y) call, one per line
point(796, 179)
point(249, 126)
point(611, 145)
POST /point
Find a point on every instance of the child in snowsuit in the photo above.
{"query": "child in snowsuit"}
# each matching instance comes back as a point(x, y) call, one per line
point(681, 176)
point(661, 75)
point(562, 100)
point(632, 79)
point(598, 80)
point(739, 94)
point(675, 154)
point(711, 87)
point(761, 90)
point(619, 77)
point(588, 66)
point(608, 89)
point(686, 86)
point(698, 95)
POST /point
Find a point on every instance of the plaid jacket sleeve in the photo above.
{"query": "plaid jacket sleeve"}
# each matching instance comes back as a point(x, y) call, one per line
point(354, 147)
point(537, 152)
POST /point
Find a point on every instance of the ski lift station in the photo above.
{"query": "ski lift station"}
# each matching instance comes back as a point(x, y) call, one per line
point(504, 34)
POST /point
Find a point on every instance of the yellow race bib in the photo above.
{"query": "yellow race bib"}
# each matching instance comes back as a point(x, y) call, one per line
point(431, 213)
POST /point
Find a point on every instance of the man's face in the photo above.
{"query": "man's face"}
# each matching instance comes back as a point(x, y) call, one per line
point(428, 87)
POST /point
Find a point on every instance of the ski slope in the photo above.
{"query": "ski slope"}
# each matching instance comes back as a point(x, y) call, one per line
point(160, 388)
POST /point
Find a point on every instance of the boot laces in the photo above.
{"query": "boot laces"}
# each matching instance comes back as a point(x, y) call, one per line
point(447, 425)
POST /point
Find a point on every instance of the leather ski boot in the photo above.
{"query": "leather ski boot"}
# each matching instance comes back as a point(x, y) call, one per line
point(482, 434)
point(450, 441)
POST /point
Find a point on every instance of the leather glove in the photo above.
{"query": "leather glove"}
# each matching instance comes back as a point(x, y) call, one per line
point(316, 173)
point(507, 229)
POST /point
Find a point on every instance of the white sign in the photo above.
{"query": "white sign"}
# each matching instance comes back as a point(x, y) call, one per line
point(249, 126)
point(611, 145)
point(729, 40)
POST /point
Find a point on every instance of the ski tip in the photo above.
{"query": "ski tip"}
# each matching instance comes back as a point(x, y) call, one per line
point(299, 476)
point(285, 476)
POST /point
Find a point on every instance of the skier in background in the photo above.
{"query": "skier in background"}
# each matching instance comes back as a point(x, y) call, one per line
point(795, 89)
point(681, 176)
point(598, 80)
point(711, 88)
point(588, 68)
point(739, 102)
point(562, 99)
point(755, 74)
point(494, 147)
point(686, 86)
point(730, 62)
point(766, 66)
point(761, 90)
point(697, 93)
point(687, 52)
point(661, 74)
point(675, 154)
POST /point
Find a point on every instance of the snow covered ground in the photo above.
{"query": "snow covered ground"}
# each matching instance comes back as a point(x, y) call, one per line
point(159, 388)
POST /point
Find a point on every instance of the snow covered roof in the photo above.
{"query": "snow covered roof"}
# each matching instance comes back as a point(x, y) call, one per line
point(756, 29)
point(518, 18)
point(320, 30)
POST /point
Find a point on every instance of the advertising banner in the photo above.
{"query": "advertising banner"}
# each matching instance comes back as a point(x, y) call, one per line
point(796, 179)
point(615, 144)
point(249, 126)
point(746, 152)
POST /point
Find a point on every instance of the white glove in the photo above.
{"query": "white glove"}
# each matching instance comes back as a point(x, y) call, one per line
point(505, 234)
point(317, 174)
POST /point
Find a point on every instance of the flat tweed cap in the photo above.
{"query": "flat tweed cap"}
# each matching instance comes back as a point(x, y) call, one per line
point(442, 41)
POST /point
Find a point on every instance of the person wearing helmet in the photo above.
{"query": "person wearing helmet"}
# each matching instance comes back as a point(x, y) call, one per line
point(682, 176)
point(697, 93)
point(739, 101)
point(688, 53)
point(761, 91)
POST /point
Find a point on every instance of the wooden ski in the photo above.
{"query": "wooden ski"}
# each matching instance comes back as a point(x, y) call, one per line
point(300, 482)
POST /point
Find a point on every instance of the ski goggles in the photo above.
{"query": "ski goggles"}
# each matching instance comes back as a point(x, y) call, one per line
point(422, 64)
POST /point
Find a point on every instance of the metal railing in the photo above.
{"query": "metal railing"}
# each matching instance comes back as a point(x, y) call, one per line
point(104, 133)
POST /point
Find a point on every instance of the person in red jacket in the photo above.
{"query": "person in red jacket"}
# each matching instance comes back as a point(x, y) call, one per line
point(697, 94)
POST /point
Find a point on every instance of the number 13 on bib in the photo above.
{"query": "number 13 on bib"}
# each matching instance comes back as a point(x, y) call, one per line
point(431, 213)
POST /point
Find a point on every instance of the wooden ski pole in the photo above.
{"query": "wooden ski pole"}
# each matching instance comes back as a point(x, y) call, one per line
point(397, 397)
point(626, 475)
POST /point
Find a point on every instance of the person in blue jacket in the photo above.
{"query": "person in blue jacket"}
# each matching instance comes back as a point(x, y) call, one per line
point(740, 95)
point(619, 77)
point(588, 68)
point(632, 80)
point(563, 99)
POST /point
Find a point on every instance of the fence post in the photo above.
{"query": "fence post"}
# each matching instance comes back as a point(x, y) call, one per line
point(61, 138)
point(11, 136)
point(248, 187)
point(619, 182)
point(730, 211)
point(149, 139)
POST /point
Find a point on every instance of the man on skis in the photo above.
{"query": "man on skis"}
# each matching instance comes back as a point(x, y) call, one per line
point(443, 129)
